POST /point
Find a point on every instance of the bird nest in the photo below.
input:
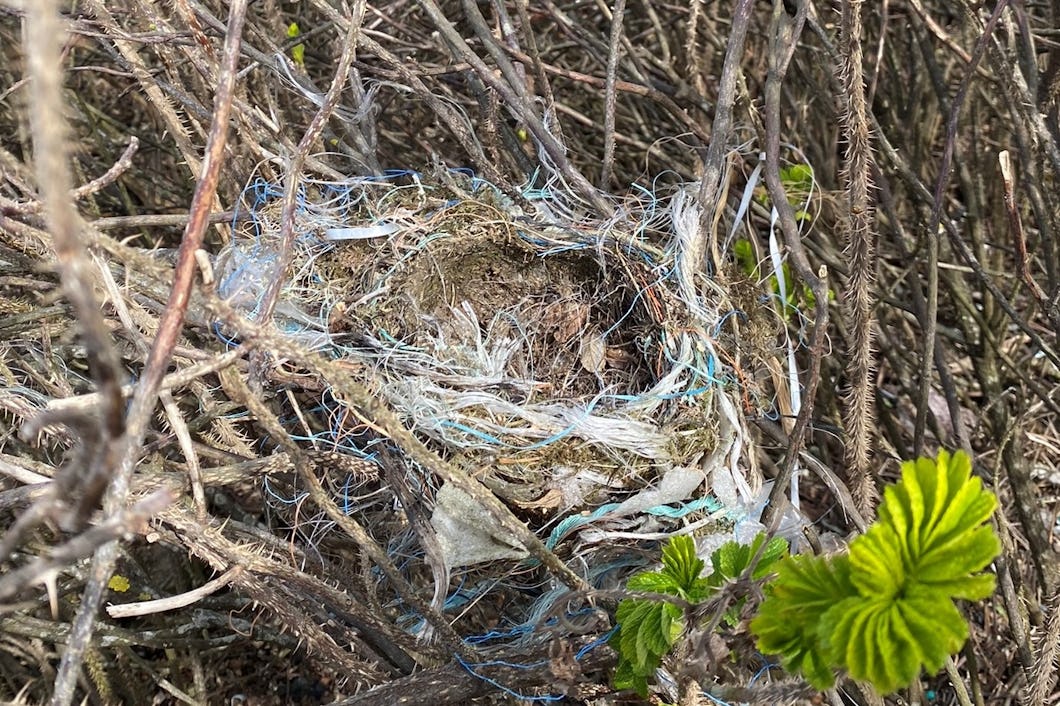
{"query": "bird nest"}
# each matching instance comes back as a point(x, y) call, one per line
point(561, 366)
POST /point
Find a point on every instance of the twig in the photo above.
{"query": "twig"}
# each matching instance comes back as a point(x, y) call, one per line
point(129, 52)
point(348, 524)
point(859, 237)
point(607, 166)
point(1044, 672)
point(785, 33)
point(163, 219)
point(180, 429)
point(635, 89)
point(1015, 226)
point(154, 370)
point(51, 153)
point(293, 175)
point(517, 103)
point(931, 233)
point(957, 682)
point(124, 524)
point(169, 382)
point(710, 181)
point(130, 610)
point(96, 185)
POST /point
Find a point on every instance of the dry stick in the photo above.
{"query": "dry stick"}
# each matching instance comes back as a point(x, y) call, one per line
point(624, 86)
point(297, 600)
point(959, 689)
point(128, 49)
point(1043, 675)
point(516, 79)
point(44, 33)
point(294, 169)
point(50, 152)
point(607, 168)
point(181, 600)
point(1014, 597)
point(1024, 100)
point(154, 370)
point(859, 236)
point(447, 114)
point(785, 33)
point(180, 430)
point(348, 524)
point(169, 382)
point(695, 254)
point(125, 523)
point(1033, 186)
point(93, 187)
point(1015, 224)
point(885, 14)
point(917, 187)
point(966, 254)
point(303, 604)
point(929, 322)
point(159, 220)
point(886, 202)
point(520, 106)
point(535, 59)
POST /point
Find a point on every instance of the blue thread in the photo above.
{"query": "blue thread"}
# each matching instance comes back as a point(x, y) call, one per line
point(602, 640)
point(497, 685)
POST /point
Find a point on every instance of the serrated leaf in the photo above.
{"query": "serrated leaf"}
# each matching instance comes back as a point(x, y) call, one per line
point(654, 582)
point(886, 641)
point(731, 559)
point(681, 563)
point(626, 678)
point(934, 518)
point(878, 566)
point(646, 632)
point(775, 550)
point(700, 591)
point(886, 610)
point(789, 620)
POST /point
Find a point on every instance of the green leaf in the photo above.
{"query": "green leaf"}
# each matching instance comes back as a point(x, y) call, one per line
point(890, 612)
point(681, 563)
point(877, 561)
point(885, 641)
point(797, 177)
point(939, 510)
point(646, 631)
point(745, 257)
point(775, 550)
point(654, 582)
point(789, 620)
point(626, 678)
point(731, 559)
point(298, 50)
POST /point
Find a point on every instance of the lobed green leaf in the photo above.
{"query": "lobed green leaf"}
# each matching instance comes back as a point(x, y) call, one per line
point(681, 563)
point(886, 610)
point(886, 641)
point(789, 620)
point(654, 582)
